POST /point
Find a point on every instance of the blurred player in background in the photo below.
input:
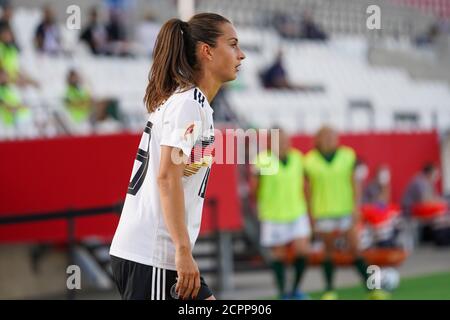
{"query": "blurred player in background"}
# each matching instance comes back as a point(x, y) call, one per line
point(378, 190)
point(282, 211)
point(424, 207)
point(84, 109)
point(9, 59)
point(333, 197)
point(151, 252)
point(15, 117)
point(422, 189)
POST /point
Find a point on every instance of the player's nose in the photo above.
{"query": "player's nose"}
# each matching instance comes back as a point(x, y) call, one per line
point(241, 55)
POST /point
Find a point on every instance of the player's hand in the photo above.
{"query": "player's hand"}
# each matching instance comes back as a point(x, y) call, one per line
point(188, 284)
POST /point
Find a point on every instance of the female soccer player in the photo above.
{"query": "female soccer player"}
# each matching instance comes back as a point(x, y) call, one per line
point(334, 199)
point(282, 211)
point(151, 253)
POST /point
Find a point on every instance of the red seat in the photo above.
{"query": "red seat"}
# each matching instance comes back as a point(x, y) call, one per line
point(382, 257)
point(429, 210)
point(376, 215)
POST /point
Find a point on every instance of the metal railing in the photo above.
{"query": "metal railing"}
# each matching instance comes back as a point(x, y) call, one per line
point(222, 239)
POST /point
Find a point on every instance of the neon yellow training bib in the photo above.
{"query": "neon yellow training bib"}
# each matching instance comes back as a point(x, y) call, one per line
point(331, 183)
point(78, 103)
point(9, 60)
point(280, 195)
point(10, 97)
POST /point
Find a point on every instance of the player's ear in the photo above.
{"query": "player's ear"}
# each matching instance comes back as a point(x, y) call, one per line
point(205, 51)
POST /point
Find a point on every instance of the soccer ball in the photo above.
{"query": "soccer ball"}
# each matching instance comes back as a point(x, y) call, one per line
point(390, 279)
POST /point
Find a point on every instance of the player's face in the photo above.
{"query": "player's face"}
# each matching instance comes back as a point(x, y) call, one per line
point(328, 140)
point(227, 55)
point(74, 79)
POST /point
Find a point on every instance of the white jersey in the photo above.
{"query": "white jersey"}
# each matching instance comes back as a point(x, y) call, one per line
point(184, 121)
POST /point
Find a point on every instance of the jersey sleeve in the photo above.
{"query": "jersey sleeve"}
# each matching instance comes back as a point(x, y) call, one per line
point(182, 126)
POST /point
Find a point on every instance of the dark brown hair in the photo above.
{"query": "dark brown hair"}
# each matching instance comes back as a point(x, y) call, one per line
point(429, 167)
point(174, 59)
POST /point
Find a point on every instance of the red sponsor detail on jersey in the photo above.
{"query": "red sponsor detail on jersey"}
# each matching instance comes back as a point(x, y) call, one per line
point(189, 130)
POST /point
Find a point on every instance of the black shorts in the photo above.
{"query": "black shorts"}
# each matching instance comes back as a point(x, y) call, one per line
point(137, 281)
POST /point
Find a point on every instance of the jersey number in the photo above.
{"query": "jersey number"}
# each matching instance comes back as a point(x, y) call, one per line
point(143, 156)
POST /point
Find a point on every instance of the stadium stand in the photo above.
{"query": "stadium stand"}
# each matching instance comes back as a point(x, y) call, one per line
point(339, 64)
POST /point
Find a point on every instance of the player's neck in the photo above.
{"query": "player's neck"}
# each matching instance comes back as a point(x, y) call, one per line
point(208, 85)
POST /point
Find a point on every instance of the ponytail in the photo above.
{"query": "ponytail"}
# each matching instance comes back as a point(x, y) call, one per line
point(174, 58)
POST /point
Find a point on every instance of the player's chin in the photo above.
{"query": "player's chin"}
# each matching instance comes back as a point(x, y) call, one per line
point(233, 75)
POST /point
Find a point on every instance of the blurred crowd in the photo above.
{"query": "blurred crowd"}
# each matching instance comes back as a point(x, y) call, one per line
point(108, 31)
point(293, 27)
point(82, 112)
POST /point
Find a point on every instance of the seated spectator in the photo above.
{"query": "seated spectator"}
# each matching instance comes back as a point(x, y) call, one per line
point(85, 110)
point(422, 189)
point(95, 34)
point(9, 59)
point(9, 55)
point(275, 77)
point(422, 201)
point(47, 37)
point(429, 37)
point(379, 214)
point(5, 20)
point(15, 118)
point(378, 190)
point(310, 30)
point(286, 26)
point(117, 35)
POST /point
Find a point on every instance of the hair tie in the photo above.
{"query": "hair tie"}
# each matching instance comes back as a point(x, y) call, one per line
point(184, 27)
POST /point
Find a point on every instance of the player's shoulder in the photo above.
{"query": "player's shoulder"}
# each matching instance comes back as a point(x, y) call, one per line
point(263, 160)
point(296, 153)
point(187, 103)
point(310, 158)
point(263, 156)
point(311, 154)
point(347, 150)
point(189, 98)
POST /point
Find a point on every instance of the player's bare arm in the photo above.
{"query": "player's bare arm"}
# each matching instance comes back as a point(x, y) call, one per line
point(172, 201)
